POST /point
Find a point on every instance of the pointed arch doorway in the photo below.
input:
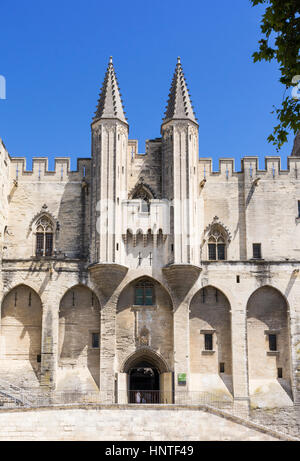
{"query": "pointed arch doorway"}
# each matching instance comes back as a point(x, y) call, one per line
point(145, 379)
point(143, 383)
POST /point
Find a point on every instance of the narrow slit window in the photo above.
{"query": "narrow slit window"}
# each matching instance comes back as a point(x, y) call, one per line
point(272, 342)
point(222, 367)
point(208, 341)
point(279, 372)
point(256, 251)
point(95, 340)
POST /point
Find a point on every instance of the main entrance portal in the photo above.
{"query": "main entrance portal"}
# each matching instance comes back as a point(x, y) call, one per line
point(144, 383)
point(145, 378)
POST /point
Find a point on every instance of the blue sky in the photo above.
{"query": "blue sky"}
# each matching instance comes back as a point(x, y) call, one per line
point(54, 56)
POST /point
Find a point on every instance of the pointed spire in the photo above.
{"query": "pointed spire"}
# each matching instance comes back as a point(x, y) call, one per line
point(110, 102)
point(179, 104)
point(296, 147)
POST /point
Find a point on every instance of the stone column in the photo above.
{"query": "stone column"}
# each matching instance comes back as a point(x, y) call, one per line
point(49, 356)
point(181, 350)
point(108, 351)
point(181, 278)
point(240, 359)
point(294, 325)
point(107, 278)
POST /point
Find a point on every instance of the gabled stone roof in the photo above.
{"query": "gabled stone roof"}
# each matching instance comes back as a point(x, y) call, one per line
point(110, 102)
point(179, 105)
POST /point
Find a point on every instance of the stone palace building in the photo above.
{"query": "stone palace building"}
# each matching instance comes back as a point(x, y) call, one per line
point(151, 272)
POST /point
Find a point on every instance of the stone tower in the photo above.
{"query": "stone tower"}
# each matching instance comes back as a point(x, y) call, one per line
point(109, 171)
point(180, 155)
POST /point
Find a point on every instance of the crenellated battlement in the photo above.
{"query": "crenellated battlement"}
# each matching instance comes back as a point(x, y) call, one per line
point(250, 167)
point(40, 169)
point(226, 168)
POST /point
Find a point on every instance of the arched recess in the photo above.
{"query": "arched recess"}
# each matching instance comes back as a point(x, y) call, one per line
point(268, 343)
point(21, 336)
point(144, 330)
point(79, 340)
point(144, 193)
point(145, 355)
point(210, 342)
point(155, 317)
point(147, 374)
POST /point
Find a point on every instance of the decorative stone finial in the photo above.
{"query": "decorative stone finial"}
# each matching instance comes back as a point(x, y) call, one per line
point(178, 60)
point(110, 60)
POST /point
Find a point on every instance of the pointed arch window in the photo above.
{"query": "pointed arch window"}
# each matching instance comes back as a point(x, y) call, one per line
point(216, 245)
point(44, 237)
point(143, 194)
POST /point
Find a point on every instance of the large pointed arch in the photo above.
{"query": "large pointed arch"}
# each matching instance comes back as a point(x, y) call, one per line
point(268, 344)
point(79, 339)
point(148, 355)
point(144, 324)
point(21, 331)
point(210, 342)
point(142, 190)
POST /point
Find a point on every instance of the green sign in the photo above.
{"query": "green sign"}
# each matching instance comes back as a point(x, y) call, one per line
point(182, 378)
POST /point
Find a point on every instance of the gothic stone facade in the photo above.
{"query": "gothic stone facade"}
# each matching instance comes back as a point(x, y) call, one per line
point(152, 259)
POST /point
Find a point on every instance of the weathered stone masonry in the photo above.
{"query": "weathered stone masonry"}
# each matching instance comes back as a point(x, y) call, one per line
point(151, 261)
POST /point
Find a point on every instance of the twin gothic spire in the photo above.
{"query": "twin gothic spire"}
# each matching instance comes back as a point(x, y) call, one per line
point(179, 106)
point(110, 102)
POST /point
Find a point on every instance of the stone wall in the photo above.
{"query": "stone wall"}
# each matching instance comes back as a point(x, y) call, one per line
point(21, 335)
point(210, 314)
point(138, 326)
point(126, 424)
point(256, 206)
point(285, 419)
point(60, 194)
point(146, 168)
point(78, 359)
point(267, 314)
point(4, 188)
point(252, 206)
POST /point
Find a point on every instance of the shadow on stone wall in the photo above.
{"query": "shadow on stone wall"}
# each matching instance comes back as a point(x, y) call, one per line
point(79, 320)
point(21, 315)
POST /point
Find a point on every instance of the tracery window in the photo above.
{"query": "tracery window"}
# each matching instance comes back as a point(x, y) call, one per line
point(144, 294)
point(216, 245)
point(44, 237)
point(142, 194)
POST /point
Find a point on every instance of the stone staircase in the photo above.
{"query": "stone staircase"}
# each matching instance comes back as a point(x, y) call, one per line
point(11, 395)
